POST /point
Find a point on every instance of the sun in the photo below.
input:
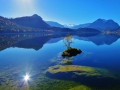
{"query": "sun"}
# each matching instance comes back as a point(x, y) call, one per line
point(26, 77)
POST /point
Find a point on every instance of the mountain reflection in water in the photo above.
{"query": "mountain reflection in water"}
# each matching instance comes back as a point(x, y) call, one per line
point(36, 41)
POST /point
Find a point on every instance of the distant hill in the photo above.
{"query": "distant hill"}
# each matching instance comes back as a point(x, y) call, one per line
point(54, 24)
point(33, 21)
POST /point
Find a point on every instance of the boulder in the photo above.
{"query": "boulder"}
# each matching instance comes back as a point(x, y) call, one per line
point(83, 74)
point(71, 52)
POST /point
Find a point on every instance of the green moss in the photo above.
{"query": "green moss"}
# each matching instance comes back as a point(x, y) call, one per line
point(79, 70)
point(67, 61)
point(81, 87)
point(88, 76)
point(45, 83)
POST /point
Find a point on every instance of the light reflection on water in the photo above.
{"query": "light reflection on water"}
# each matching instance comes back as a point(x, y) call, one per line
point(35, 53)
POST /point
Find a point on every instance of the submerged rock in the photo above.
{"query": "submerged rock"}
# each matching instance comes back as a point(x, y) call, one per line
point(78, 70)
point(66, 61)
point(80, 87)
point(71, 52)
point(84, 74)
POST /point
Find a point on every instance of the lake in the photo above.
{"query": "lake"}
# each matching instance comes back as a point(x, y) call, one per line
point(34, 62)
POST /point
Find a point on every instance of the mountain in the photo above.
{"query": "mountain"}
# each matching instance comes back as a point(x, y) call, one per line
point(7, 26)
point(33, 21)
point(54, 24)
point(102, 24)
point(81, 26)
point(99, 24)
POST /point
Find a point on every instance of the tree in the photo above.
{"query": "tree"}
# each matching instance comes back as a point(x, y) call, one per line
point(67, 40)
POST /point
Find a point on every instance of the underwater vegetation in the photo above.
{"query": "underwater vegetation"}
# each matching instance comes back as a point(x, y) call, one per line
point(78, 70)
point(80, 87)
point(92, 77)
point(67, 61)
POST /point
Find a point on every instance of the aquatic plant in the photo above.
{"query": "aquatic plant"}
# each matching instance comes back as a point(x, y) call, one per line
point(80, 87)
point(68, 71)
point(67, 61)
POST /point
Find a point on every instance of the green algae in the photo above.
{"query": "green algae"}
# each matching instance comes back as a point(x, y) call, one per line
point(80, 70)
point(45, 83)
point(80, 87)
point(91, 78)
point(66, 61)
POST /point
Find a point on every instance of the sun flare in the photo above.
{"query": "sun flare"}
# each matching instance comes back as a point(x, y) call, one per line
point(26, 77)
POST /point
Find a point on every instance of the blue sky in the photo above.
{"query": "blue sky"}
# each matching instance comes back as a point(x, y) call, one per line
point(63, 11)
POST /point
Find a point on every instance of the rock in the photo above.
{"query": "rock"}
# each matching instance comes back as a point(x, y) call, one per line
point(71, 52)
point(78, 70)
point(82, 74)
point(66, 61)
point(80, 87)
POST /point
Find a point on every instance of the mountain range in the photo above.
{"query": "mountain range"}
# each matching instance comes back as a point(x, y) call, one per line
point(30, 24)
point(35, 24)
point(99, 24)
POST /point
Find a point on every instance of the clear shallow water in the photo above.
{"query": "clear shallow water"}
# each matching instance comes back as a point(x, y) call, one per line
point(35, 53)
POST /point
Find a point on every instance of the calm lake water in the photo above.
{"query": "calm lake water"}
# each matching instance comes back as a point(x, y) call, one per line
point(33, 54)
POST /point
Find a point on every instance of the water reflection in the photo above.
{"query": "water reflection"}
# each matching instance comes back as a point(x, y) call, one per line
point(36, 41)
point(101, 39)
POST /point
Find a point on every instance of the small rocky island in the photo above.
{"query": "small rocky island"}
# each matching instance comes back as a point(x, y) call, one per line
point(71, 52)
